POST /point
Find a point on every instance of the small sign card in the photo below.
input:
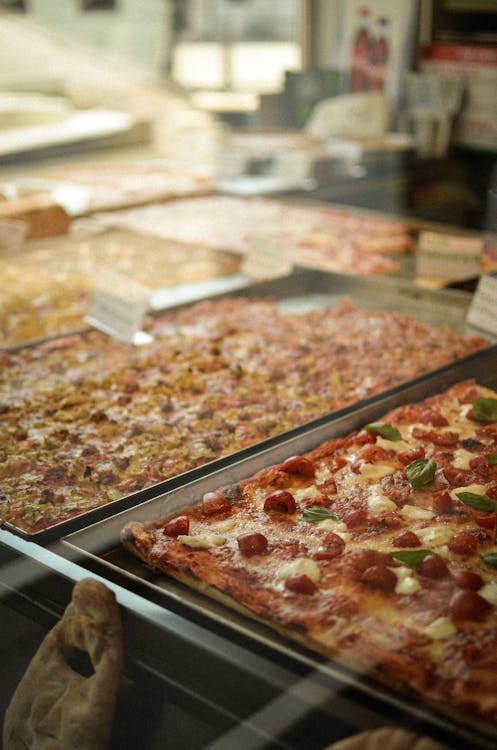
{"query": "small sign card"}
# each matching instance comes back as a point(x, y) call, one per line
point(118, 307)
point(449, 257)
point(268, 257)
point(482, 312)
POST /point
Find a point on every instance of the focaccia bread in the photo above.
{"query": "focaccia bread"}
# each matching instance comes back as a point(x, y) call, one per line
point(57, 708)
point(376, 549)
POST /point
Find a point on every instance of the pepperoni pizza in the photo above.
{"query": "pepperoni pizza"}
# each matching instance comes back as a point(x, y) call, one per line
point(377, 548)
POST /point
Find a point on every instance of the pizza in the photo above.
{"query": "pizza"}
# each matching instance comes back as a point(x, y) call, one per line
point(86, 420)
point(330, 238)
point(112, 185)
point(376, 548)
point(386, 737)
point(49, 286)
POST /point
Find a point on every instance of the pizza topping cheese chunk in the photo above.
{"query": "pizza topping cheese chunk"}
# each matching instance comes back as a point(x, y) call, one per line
point(378, 548)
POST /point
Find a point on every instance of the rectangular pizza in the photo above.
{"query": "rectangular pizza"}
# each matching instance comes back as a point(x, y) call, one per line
point(86, 420)
point(331, 238)
point(377, 549)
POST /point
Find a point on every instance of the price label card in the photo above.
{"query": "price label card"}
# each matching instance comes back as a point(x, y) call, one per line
point(294, 166)
point(448, 257)
point(268, 257)
point(118, 307)
point(482, 312)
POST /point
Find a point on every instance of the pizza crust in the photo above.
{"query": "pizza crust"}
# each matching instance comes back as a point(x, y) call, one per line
point(387, 737)
point(56, 707)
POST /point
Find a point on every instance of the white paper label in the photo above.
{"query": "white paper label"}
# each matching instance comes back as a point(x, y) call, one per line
point(449, 257)
point(118, 306)
point(268, 257)
point(483, 309)
point(294, 166)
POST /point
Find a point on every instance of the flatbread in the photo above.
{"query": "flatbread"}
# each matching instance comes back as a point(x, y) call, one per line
point(55, 707)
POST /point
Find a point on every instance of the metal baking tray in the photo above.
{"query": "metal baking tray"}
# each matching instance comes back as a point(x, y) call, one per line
point(305, 289)
point(300, 291)
point(171, 661)
point(99, 547)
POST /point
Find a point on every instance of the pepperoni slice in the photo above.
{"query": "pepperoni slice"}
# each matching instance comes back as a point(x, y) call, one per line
point(485, 520)
point(365, 436)
point(467, 579)
point(442, 502)
point(355, 518)
point(468, 605)
point(379, 577)
point(177, 526)
point(215, 502)
point(433, 566)
point(300, 583)
point(430, 416)
point(298, 465)
point(419, 433)
point(368, 454)
point(468, 396)
point(252, 543)
point(457, 477)
point(480, 465)
point(463, 543)
point(406, 539)
point(280, 501)
point(406, 457)
point(337, 463)
point(333, 546)
point(443, 438)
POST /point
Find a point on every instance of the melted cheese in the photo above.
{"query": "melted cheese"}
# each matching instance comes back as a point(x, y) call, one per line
point(397, 446)
point(406, 583)
point(378, 502)
point(306, 493)
point(202, 541)
point(377, 470)
point(413, 513)
point(489, 592)
point(223, 527)
point(440, 628)
point(462, 458)
point(476, 489)
point(300, 565)
point(338, 527)
point(435, 536)
point(323, 473)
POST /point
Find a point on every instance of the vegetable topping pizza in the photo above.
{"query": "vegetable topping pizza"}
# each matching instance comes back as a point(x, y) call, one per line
point(377, 548)
point(85, 420)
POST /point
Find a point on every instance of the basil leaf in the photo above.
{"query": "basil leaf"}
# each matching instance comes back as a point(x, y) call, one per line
point(420, 472)
point(478, 502)
point(492, 459)
point(317, 513)
point(411, 557)
point(387, 431)
point(484, 408)
point(490, 558)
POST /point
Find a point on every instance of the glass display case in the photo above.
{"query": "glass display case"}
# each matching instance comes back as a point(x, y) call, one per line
point(185, 258)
